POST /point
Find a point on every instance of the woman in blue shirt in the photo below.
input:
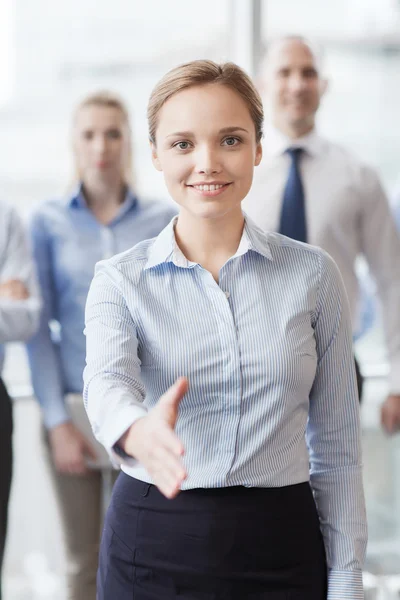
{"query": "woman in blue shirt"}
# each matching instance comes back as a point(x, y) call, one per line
point(101, 217)
point(220, 375)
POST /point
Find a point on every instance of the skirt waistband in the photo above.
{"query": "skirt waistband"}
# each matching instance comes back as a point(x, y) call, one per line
point(133, 492)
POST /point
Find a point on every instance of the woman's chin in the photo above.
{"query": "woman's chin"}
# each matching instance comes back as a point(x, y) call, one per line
point(210, 209)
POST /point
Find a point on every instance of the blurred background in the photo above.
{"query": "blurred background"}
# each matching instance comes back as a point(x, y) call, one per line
point(52, 54)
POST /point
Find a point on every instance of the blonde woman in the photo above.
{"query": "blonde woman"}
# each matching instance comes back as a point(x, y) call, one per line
point(101, 217)
point(220, 373)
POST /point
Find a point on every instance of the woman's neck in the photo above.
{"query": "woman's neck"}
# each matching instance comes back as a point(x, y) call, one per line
point(209, 242)
point(104, 198)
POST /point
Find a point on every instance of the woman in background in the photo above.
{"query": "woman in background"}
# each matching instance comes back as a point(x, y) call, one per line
point(102, 217)
point(241, 480)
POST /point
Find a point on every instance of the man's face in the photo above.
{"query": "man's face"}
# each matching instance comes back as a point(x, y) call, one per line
point(294, 85)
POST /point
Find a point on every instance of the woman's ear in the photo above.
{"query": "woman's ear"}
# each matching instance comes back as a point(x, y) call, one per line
point(259, 153)
point(154, 157)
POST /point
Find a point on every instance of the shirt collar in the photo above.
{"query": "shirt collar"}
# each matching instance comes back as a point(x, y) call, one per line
point(77, 200)
point(276, 142)
point(165, 248)
point(255, 239)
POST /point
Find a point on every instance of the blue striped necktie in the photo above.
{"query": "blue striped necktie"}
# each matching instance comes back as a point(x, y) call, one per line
point(293, 214)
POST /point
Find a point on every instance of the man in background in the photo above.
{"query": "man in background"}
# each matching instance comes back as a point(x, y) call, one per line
point(315, 191)
point(19, 318)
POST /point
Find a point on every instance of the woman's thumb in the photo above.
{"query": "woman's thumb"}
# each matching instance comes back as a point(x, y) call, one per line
point(169, 402)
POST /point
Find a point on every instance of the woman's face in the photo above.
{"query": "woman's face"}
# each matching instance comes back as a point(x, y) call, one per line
point(206, 147)
point(101, 143)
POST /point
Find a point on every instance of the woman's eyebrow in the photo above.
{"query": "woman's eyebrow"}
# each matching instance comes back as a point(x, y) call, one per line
point(191, 134)
point(181, 134)
point(232, 129)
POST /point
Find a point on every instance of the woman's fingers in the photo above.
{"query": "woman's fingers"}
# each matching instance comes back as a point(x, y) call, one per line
point(167, 438)
point(168, 483)
point(167, 471)
point(165, 461)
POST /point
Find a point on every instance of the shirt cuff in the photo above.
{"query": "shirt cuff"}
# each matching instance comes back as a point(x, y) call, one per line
point(345, 585)
point(117, 425)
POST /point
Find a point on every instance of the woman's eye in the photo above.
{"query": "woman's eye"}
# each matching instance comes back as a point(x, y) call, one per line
point(231, 141)
point(114, 134)
point(182, 145)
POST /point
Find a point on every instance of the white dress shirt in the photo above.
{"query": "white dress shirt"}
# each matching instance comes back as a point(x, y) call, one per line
point(272, 397)
point(347, 215)
point(19, 319)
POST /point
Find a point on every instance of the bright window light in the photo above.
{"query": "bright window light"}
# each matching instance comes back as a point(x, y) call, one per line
point(7, 62)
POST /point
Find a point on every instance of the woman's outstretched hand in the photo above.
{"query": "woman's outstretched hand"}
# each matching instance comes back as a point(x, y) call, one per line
point(153, 442)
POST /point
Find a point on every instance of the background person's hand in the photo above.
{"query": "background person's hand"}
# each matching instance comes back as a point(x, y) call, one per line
point(70, 449)
point(153, 442)
point(390, 414)
point(14, 289)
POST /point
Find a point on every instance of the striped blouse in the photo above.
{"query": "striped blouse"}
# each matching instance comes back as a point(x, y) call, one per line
point(272, 397)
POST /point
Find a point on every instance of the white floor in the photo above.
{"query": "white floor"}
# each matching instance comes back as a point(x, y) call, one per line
point(34, 561)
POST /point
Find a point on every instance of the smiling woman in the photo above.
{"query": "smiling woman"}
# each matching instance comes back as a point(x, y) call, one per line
point(220, 375)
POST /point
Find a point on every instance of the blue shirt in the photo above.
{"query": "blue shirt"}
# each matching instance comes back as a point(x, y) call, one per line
point(67, 242)
point(272, 397)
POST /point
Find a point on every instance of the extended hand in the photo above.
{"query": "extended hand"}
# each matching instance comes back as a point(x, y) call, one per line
point(153, 442)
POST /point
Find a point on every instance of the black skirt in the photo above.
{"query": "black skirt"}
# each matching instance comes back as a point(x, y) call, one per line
point(211, 544)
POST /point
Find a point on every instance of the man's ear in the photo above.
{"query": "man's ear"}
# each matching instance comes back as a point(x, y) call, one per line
point(154, 157)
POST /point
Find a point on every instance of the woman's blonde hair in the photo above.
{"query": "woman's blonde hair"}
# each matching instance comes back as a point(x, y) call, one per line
point(200, 72)
point(107, 99)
